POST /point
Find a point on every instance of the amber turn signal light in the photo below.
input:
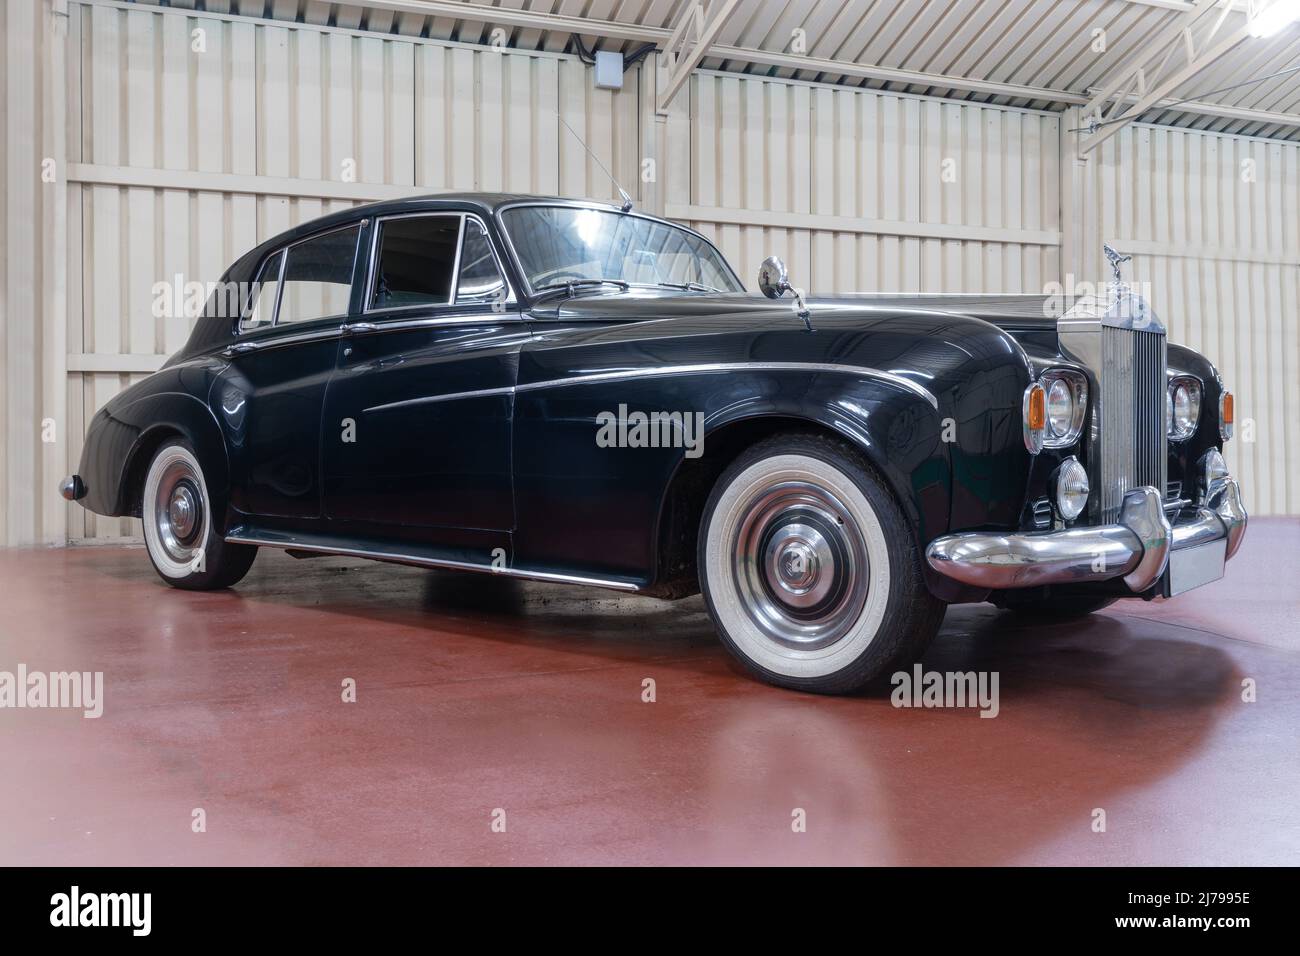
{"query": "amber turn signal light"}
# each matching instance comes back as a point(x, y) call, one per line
point(1037, 407)
point(1035, 413)
point(1225, 415)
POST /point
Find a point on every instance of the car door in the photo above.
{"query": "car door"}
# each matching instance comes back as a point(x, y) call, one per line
point(270, 397)
point(417, 423)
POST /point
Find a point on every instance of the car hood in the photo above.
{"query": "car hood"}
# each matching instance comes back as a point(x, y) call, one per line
point(1007, 312)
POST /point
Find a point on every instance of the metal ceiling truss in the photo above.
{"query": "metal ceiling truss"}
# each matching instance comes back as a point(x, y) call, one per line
point(689, 42)
point(1195, 39)
point(1117, 97)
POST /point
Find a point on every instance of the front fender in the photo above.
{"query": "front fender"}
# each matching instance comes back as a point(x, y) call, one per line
point(898, 432)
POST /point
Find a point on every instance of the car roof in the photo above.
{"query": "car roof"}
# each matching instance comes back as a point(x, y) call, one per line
point(486, 204)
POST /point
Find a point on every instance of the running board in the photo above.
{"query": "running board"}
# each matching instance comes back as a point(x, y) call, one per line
point(420, 558)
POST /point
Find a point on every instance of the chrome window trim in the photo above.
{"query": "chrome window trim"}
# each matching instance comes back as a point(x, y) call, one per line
point(281, 251)
point(357, 224)
point(599, 207)
point(496, 258)
point(427, 322)
point(460, 214)
point(274, 342)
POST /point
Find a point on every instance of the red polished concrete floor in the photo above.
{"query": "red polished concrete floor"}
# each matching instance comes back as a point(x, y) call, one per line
point(476, 693)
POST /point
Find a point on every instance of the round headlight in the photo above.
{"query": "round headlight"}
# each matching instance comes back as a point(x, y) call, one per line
point(1065, 403)
point(1182, 407)
point(1060, 408)
point(1071, 489)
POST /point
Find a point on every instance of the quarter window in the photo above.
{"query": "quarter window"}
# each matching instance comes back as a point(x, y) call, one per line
point(261, 312)
point(480, 280)
point(416, 255)
point(318, 276)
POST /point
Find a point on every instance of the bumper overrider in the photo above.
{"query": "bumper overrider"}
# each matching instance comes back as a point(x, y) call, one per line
point(1138, 547)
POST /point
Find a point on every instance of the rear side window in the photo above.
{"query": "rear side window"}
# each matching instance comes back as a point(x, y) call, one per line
point(416, 255)
point(261, 312)
point(318, 276)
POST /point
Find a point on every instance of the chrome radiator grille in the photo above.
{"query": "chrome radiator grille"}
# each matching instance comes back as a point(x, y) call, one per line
point(1133, 441)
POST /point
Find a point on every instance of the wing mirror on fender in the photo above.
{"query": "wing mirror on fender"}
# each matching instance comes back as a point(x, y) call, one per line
point(774, 282)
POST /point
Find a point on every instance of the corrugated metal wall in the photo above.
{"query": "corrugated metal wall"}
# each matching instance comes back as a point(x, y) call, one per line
point(268, 126)
point(1213, 222)
point(180, 158)
point(861, 191)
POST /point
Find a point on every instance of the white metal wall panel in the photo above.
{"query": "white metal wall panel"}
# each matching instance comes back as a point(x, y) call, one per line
point(180, 160)
point(305, 110)
point(1213, 222)
point(861, 191)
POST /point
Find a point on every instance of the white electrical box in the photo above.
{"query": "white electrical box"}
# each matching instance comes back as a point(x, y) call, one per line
point(609, 70)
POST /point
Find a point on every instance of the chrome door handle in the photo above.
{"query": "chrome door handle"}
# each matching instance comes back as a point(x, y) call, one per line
point(350, 328)
point(239, 348)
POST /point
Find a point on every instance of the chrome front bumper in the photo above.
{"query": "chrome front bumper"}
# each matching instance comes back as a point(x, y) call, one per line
point(1137, 548)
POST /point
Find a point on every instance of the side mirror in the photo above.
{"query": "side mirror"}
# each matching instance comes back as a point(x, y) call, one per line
point(774, 282)
point(773, 279)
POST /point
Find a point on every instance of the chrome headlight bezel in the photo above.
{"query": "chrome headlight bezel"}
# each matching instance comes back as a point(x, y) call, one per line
point(1066, 433)
point(1175, 430)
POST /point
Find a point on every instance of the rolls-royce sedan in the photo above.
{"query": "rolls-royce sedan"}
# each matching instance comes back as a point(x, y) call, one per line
point(576, 392)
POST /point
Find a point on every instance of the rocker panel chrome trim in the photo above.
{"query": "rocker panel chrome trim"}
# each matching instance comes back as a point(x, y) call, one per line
point(290, 543)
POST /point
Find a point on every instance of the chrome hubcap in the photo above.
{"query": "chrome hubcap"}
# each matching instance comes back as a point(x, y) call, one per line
point(177, 511)
point(800, 564)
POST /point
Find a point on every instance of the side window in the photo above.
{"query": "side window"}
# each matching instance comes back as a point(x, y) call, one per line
point(318, 276)
point(416, 255)
point(480, 280)
point(261, 311)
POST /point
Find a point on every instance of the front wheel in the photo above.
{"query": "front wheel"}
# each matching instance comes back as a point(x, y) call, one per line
point(810, 570)
point(180, 532)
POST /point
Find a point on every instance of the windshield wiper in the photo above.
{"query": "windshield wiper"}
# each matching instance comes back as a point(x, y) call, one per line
point(688, 286)
point(573, 285)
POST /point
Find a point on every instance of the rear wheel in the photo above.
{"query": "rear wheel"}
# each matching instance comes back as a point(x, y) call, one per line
point(810, 570)
point(180, 534)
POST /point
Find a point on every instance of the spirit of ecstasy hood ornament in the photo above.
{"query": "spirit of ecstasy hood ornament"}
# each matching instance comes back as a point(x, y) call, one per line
point(1116, 260)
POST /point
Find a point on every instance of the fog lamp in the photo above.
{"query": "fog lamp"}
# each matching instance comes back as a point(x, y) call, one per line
point(1072, 489)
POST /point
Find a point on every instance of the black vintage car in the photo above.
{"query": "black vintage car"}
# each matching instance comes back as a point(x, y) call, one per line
point(576, 392)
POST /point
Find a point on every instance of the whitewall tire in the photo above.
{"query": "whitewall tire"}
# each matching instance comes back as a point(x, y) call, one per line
point(180, 528)
point(809, 568)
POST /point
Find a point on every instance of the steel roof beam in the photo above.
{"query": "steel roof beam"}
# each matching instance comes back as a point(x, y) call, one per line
point(637, 33)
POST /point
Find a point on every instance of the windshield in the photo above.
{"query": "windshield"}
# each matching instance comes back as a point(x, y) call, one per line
point(557, 245)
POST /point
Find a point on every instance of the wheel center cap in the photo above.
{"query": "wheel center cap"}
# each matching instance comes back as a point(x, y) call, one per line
point(180, 512)
point(797, 565)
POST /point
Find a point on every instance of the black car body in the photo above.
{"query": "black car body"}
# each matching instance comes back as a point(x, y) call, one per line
point(463, 433)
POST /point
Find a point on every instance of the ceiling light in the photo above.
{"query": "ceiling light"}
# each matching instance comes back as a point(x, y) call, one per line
point(1265, 19)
